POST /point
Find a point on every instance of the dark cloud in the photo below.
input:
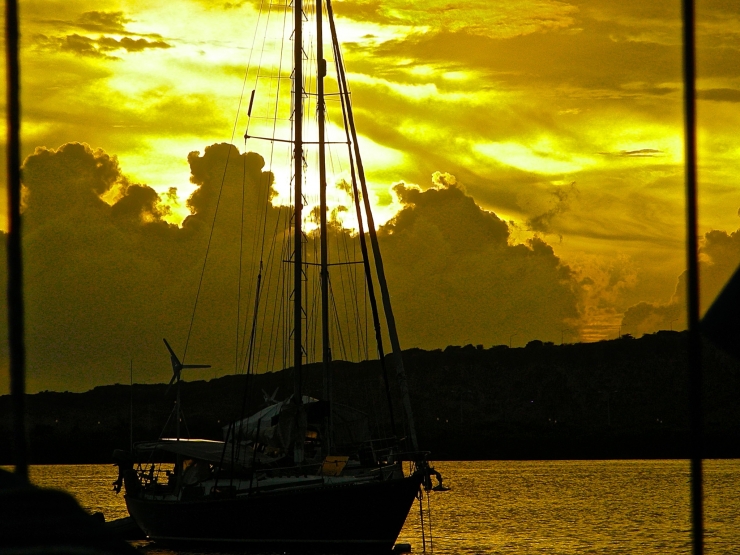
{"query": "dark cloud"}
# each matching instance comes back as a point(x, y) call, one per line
point(104, 22)
point(561, 195)
point(97, 21)
point(541, 60)
point(719, 95)
point(105, 281)
point(458, 280)
point(101, 22)
point(96, 47)
point(129, 44)
point(371, 10)
point(720, 252)
point(640, 153)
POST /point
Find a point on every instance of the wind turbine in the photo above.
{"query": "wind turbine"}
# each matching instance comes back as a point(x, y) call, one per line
point(177, 368)
point(270, 399)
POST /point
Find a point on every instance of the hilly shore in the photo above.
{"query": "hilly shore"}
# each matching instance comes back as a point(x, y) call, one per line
point(624, 398)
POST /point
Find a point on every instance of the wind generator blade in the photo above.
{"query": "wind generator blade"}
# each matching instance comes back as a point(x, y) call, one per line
point(176, 366)
point(173, 356)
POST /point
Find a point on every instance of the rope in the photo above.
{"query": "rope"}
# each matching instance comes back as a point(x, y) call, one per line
point(429, 519)
point(220, 191)
point(421, 519)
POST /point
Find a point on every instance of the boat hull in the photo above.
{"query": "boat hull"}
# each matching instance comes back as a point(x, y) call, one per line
point(361, 517)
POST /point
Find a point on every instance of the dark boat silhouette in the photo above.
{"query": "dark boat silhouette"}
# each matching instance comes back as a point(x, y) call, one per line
point(302, 474)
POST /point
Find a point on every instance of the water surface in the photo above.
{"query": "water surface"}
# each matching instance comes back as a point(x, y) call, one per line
point(523, 507)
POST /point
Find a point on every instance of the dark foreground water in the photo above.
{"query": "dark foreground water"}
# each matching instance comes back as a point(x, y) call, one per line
point(538, 507)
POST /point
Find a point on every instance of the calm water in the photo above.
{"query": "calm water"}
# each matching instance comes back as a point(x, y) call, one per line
point(559, 507)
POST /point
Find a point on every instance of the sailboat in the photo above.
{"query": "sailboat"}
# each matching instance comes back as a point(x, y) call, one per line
point(304, 473)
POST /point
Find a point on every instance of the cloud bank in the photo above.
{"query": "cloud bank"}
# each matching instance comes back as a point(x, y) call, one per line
point(719, 258)
point(107, 277)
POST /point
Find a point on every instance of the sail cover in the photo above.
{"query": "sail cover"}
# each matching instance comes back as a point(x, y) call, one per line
point(205, 450)
point(350, 426)
point(263, 419)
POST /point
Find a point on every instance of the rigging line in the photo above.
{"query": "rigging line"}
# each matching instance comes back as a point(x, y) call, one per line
point(277, 89)
point(271, 158)
point(351, 279)
point(263, 230)
point(396, 353)
point(264, 42)
point(309, 311)
point(349, 263)
point(362, 336)
point(205, 258)
point(251, 53)
point(258, 295)
point(363, 245)
point(256, 82)
point(271, 177)
point(429, 519)
point(367, 324)
point(340, 336)
point(223, 456)
point(241, 258)
point(271, 269)
point(421, 518)
point(249, 372)
point(218, 201)
point(278, 302)
point(187, 429)
point(163, 429)
point(314, 312)
point(250, 282)
point(285, 293)
point(343, 287)
point(353, 273)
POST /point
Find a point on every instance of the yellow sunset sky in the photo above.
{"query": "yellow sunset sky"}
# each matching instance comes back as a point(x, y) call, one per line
point(564, 119)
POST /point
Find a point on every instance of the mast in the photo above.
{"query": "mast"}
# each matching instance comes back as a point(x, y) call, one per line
point(17, 347)
point(692, 282)
point(321, 116)
point(298, 201)
point(392, 331)
point(298, 218)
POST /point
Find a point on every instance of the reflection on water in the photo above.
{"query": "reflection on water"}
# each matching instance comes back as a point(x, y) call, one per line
point(513, 507)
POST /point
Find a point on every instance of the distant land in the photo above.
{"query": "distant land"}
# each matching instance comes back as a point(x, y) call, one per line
point(624, 398)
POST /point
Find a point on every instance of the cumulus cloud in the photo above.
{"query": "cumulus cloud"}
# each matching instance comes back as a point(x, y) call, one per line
point(458, 279)
point(720, 256)
point(107, 277)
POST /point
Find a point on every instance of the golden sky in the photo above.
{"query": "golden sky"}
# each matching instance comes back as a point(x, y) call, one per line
point(564, 119)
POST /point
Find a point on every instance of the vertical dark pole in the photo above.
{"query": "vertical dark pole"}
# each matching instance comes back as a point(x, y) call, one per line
point(380, 272)
point(298, 182)
point(321, 116)
point(131, 402)
point(692, 285)
point(15, 261)
point(344, 96)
